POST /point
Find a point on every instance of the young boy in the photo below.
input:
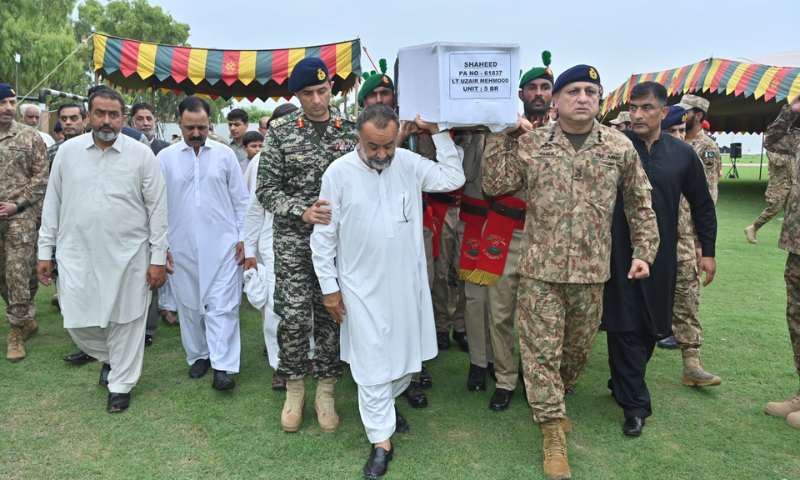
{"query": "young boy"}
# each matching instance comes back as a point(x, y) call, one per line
point(251, 142)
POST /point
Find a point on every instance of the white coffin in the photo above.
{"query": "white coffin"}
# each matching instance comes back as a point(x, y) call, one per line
point(460, 85)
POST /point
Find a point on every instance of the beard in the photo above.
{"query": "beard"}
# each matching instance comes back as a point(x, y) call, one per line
point(105, 136)
point(690, 123)
point(532, 111)
point(147, 131)
point(375, 162)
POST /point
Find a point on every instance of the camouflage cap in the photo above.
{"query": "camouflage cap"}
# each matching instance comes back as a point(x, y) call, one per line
point(623, 117)
point(693, 101)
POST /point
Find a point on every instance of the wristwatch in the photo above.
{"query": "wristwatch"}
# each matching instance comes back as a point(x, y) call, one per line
point(20, 207)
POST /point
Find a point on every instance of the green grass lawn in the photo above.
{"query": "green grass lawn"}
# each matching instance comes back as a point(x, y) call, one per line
point(53, 422)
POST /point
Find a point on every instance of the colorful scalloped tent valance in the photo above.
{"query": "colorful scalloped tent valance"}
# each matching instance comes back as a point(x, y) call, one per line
point(745, 97)
point(250, 74)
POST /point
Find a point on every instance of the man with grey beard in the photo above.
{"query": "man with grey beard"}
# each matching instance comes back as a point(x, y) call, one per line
point(106, 205)
point(378, 293)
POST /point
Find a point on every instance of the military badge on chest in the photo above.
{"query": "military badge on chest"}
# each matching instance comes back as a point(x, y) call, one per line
point(344, 147)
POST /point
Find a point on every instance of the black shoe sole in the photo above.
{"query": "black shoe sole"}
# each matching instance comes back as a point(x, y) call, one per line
point(418, 405)
point(668, 347)
point(498, 408)
point(224, 386)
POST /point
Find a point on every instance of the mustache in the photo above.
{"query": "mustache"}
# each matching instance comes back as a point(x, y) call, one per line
point(106, 125)
point(195, 139)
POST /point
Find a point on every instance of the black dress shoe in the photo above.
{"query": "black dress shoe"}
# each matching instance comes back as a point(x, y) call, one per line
point(570, 391)
point(669, 343)
point(118, 402)
point(416, 395)
point(500, 399)
point(425, 378)
point(476, 380)
point(377, 463)
point(80, 358)
point(401, 424)
point(148, 340)
point(633, 426)
point(490, 371)
point(200, 368)
point(443, 340)
point(222, 381)
point(461, 339)
point(104, 374)
point(265, 352)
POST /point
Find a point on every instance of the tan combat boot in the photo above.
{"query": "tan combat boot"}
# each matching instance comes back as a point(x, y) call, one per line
point(566, 425)
point(292, 415)
point(323, 404)
point(783, 409)
point(15, 350)
point(750, 233)
point(29, 329)
point(555, 450)
point(793, 419)
point(693, 373)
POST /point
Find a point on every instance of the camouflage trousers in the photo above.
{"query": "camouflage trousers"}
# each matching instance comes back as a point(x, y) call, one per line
point(298, 302)
point(18, 285)
point(776, 200)
point(557, 325)
point(685, 324)
point(449, 246)
point(792, 277)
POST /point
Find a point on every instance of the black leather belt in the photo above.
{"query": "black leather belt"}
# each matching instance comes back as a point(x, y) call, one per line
point(517, 214)
point(445, 198)
point(475, 210)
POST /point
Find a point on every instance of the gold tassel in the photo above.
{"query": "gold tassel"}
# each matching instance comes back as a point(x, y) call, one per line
point(480, 277)
point(464, 274)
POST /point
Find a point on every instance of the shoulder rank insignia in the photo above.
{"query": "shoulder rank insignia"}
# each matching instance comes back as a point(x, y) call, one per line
point(300, 123)
point(337, 123)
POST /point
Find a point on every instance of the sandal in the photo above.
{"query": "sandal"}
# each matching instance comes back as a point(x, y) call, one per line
point(118, 402)
point(277, 382)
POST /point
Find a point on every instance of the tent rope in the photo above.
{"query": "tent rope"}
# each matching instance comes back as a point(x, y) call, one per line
point(81, 45)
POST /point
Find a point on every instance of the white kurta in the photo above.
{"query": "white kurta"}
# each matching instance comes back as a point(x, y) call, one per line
point(107, 212)
point(207, 201)
point(258, 244)
point(375, 235)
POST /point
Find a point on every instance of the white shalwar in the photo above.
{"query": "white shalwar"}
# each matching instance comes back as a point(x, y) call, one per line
point(258, 244)
point(107, 212)
point(375, 237)
point(207, 200)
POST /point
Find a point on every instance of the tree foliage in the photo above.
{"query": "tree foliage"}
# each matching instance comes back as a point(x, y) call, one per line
point(255, 113)
point(42, 32)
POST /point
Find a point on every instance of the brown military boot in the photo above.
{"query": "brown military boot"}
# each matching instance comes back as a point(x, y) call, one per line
point(555, 450)
point(292, 415)
point(750, 233)
point(793, 419)
point(783, 409)
point(15, 350)
point(323, 404)
point(566, 425)
point(693, 373)
point(29, 329)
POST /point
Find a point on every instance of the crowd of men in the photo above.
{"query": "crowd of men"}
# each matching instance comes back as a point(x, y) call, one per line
point(342, 231)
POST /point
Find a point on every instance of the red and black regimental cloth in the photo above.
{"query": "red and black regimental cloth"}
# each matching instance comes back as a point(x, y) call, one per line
point(473, 214)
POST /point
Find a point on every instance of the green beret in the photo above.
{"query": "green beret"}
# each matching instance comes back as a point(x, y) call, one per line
point(374, 80)
point(538, 72)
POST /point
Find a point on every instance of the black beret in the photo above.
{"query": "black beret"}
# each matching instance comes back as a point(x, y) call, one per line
point(578, 73)
point(308, 72)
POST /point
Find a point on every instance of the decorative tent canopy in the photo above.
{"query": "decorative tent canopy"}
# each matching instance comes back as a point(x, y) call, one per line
point(250, 74)
point(745, 97)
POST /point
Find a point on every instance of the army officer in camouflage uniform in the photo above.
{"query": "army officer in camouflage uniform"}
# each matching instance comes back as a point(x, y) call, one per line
point(298, 149)
point(781, 138)
point(25, 167)
point(571, 170)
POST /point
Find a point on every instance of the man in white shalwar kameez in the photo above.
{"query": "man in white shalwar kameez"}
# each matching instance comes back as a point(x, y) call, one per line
point(378, 286)
point(106, 208)
point(207, 200)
